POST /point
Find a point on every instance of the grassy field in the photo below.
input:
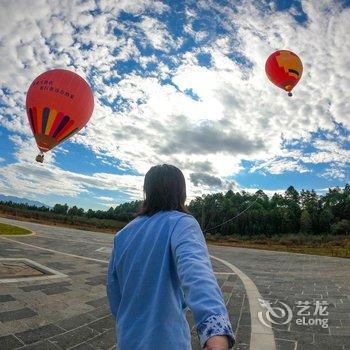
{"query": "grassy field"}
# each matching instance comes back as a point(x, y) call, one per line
point(13, 230)
point(327, 245)
point(61, 224)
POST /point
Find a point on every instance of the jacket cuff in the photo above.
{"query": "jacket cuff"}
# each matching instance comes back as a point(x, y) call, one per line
point(217, 324)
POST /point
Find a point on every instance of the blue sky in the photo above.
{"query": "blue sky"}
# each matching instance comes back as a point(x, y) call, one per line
point(178, 82)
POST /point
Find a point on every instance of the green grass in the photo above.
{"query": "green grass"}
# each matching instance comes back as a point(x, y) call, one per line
point(326, 245)
point(82, 223)
point(13, 230)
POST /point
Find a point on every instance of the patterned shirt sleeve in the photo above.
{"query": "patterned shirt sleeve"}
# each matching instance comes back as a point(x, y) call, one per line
point(198, 282)
point(215, 325)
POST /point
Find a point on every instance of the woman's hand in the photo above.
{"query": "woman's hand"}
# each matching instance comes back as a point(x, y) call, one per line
point(217, 342)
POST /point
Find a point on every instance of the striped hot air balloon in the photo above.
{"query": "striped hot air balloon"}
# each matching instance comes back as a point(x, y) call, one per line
point(59, 103)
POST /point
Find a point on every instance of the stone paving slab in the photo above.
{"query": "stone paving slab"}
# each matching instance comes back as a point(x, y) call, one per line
point(72, 312)
point(291, 278)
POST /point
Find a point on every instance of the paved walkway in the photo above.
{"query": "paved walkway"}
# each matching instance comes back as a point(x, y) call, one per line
point(71, 311)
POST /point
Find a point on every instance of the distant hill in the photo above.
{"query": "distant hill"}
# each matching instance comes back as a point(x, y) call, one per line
point(14, 199)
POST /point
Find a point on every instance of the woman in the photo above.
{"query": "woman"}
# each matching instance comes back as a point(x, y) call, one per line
point(160, 265)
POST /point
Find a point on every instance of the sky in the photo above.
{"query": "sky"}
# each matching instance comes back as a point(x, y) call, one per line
point(182, 83)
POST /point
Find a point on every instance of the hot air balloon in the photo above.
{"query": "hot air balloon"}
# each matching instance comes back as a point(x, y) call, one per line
point(59, 103)
point(284, 69)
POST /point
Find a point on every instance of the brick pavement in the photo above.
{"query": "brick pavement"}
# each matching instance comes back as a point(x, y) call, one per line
point(72, 312)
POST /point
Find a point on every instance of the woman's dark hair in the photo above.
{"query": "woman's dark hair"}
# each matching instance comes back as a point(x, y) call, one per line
point(164, 189)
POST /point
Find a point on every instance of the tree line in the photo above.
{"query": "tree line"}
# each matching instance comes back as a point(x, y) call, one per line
point(291, 212)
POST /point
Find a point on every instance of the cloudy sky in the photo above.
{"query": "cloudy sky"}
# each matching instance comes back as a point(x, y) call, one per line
point(178, 82)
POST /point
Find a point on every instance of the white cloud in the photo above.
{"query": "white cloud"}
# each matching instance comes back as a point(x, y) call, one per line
point(279, 166)
point(106, 199)
point(333, 172)
point(238, 101)
point(28, 178)
point(269, 193)
point(157, 34)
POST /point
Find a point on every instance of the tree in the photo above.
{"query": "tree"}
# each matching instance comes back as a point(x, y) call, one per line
point(292, 195)
point(277, 200)
point(325, 219)
point(305, 222)
point(110, 213)
point(60, 209)
point(293, 211)
point(288, 213)
point(73, 211)
point(90, 213)
point(341, 227)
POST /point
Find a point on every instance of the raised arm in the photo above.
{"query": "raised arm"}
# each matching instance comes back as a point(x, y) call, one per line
point(113, 290)
point(201, 290)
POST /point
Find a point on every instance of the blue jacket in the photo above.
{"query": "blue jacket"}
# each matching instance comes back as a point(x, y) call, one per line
point(159, 266)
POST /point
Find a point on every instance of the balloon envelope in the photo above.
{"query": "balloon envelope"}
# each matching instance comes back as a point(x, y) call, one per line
point(59, 103)
point(284, 69)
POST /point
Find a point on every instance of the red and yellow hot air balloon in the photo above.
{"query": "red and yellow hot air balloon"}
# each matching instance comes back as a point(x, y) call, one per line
point(284, 69)
point(59, 103)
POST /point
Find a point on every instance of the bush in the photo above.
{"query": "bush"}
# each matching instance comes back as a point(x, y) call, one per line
point(341, 227)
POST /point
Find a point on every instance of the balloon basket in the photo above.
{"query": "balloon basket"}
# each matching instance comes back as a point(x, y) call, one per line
point(40, 158)
point(290, 94)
